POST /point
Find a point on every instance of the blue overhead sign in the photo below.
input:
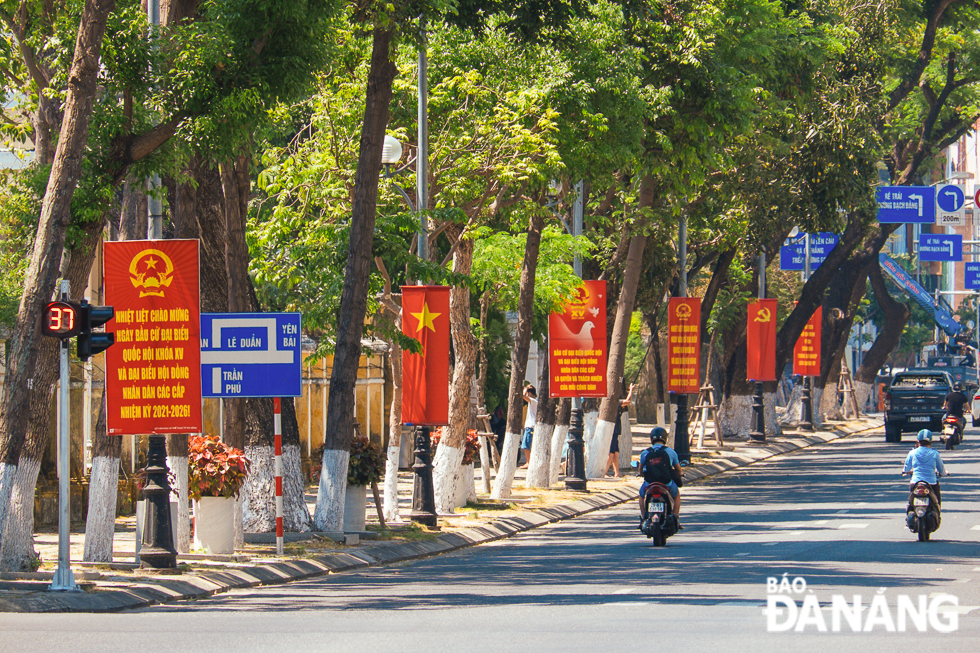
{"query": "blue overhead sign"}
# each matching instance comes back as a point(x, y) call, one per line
point(904, 281)
point(793, 256)
point(251, 355)
point(820, 246)
point(906, 204)
point(951, 198)
point(940, 247)
point(971, 276)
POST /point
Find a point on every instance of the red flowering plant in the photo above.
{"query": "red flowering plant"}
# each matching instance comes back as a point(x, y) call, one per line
point(215, 469)
point(471, 449)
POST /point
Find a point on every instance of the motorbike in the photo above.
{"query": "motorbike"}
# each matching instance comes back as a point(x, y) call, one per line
point(657, 514)
point(923, 514)
point(952, 432)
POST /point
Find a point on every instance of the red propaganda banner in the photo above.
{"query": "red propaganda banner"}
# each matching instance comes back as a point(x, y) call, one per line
point(577, 340)
point(684, 345)
point(806, 352)
point(153, 372)
point(760, 361)
point(425, 376)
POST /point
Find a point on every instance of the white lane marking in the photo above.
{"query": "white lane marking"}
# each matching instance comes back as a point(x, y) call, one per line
point(627, 590)
point(821, 522)
point(843, 526)
point(770, 543)
point(976, 569)
point(842, 512)
point(975, 528)
point(720, 527)
point(963, 580)
point(743, 554)
point(621, 603)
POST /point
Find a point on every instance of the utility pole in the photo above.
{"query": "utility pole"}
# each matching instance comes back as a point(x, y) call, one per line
point(682, 444)
point(758, 432)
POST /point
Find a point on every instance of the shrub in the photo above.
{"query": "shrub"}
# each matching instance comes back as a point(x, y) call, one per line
point(215, 469)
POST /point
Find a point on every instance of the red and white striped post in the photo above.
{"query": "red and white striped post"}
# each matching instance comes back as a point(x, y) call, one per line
point(277, 418)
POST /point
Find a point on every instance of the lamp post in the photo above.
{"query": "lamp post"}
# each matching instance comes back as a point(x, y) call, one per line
point(806, 418)
point(758, 432)
point(682, 444)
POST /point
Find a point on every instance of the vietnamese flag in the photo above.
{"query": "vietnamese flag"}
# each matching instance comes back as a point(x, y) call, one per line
point(760, 354)
point(425, 376)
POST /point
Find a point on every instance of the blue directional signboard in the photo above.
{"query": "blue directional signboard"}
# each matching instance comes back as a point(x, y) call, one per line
point(951, 203)
point(793, 256)
point(971, 276)
point(940, 247)
point(906, 204)
point(251, 355)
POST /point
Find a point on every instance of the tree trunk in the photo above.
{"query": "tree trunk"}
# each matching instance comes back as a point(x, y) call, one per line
point(339, 430)
point(103, 491)
point(539, 467)
point(598, 454)
point(42, 271)
point(895, 314)
point(394, 432)
point(447, 463)
point(504, 481)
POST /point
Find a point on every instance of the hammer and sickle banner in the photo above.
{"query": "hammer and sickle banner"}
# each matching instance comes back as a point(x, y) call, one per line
point(760, 352)
point(684, 345)
point(153, 373)
point(425, 376)
point(806, 353)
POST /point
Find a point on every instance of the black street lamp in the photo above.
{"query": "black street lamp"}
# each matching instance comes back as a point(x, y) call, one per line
point(575, 478)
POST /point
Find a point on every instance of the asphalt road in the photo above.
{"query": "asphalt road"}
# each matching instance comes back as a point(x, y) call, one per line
point(832, 516)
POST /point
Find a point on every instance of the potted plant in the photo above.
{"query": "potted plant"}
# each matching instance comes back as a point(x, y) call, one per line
point(216, 474)
point(365, 466)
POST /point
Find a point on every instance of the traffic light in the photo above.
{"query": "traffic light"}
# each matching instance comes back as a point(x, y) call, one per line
point(61, 320)
point(90, 344)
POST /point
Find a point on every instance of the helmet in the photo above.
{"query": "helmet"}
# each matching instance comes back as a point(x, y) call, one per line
point(924, 435)
point(958, 386)
point(658, 433)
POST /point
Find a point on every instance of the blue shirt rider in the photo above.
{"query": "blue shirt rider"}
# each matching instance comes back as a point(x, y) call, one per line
point(658, 440)
point(925, 464)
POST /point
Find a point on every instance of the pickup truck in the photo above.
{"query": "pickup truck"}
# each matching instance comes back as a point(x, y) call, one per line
point(914, 401)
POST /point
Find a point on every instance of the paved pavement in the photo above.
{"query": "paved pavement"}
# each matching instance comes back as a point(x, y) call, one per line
point(124, 588)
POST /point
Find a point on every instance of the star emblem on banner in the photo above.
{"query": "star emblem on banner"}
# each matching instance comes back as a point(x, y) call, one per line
point(426, 318)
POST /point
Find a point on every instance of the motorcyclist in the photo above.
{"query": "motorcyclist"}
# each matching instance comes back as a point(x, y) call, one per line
point(954, 405)
point(658, 439)
point(925, 464)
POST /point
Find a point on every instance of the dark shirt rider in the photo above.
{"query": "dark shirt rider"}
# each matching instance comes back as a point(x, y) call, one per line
point(955, 403)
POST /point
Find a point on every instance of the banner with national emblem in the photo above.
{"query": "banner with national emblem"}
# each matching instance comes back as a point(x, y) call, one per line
point(577, 344)
point(153, 372)
point(684, 345)
point(760, 354)
point(806, 352)
point(425, 376)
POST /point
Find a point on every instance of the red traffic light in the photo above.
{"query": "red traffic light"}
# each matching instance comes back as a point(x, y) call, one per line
point(61, 320)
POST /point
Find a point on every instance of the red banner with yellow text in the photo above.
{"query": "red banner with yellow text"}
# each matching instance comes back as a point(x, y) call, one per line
point(425, 376)
point(684, 345)
point(760, 363)
point(153, 372)
point(577, 344)
point(806, 352)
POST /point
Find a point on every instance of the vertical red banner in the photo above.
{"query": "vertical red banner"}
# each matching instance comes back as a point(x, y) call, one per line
point(806, 352)
point(760, 352)
point(153, 372)
point(577, 343)
point(684, 345)
point(425, 376)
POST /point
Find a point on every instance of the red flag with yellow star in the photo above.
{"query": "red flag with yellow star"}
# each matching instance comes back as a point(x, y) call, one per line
point(425, 376)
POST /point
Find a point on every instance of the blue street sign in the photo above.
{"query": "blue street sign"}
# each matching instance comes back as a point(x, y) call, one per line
point(251, 355)
point(905, 281)
point(940, 247)
point(820, 246)
point(906, 204)
point(950, 198)
point(793, 256)
point(971, 276)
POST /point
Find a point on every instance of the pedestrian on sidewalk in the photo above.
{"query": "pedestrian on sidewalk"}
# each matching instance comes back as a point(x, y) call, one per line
point(613, 460)
point(531, 397)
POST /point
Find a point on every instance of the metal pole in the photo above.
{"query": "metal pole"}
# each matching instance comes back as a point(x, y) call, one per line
point(423, 493)
point(154, 206)
point(682, 443)
point(806, 418)
point(578, 211)
point(277, 432)
point(63, 579)
point(422, 162)
point(575, 478)
point(758, 432)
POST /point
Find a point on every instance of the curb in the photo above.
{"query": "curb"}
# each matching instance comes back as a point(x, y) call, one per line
point(115, 596)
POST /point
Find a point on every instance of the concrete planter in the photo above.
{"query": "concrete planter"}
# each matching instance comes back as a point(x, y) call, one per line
point(355, 508)
point(214, 525)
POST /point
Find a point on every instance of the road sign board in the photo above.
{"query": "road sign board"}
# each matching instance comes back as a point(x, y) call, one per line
point(950, 205)
point(940, 247)
point(906, 204)
point(976, 196)
point(251, 355)
point(793, 256)
point(820, 246)
point(971, 275)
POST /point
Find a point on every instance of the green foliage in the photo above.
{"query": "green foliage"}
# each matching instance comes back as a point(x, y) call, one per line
point(636, 349)
point(366, 464)
point(215, 469)
point(20, 205)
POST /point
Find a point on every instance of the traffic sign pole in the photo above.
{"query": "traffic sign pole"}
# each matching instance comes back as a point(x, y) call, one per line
point(277, 420)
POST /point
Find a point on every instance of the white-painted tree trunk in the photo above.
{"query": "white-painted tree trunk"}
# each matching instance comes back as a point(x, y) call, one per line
point(100, 524)
point(816, 400)
point(862, 392)
point(240, 522)
point(504, 481)
point(446, 468)
point(539, 467)
point(17, 552)
point(598, 455)
point(485, 464)
point(465, 485)
point(391, 480)
point(7, 474)
point(180, 494)
point(259, 509)
point(794, 409)
point(772, 423)
point(735, 416)
point(557, 447)
point(329, 514)
point(589, 421)
point(625, 441)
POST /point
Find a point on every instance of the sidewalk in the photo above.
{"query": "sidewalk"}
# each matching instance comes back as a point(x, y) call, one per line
point(122, 585)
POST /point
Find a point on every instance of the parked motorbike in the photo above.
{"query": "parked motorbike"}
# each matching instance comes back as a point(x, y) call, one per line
point(952, 432)
point(657, 514)
point(923, 514)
